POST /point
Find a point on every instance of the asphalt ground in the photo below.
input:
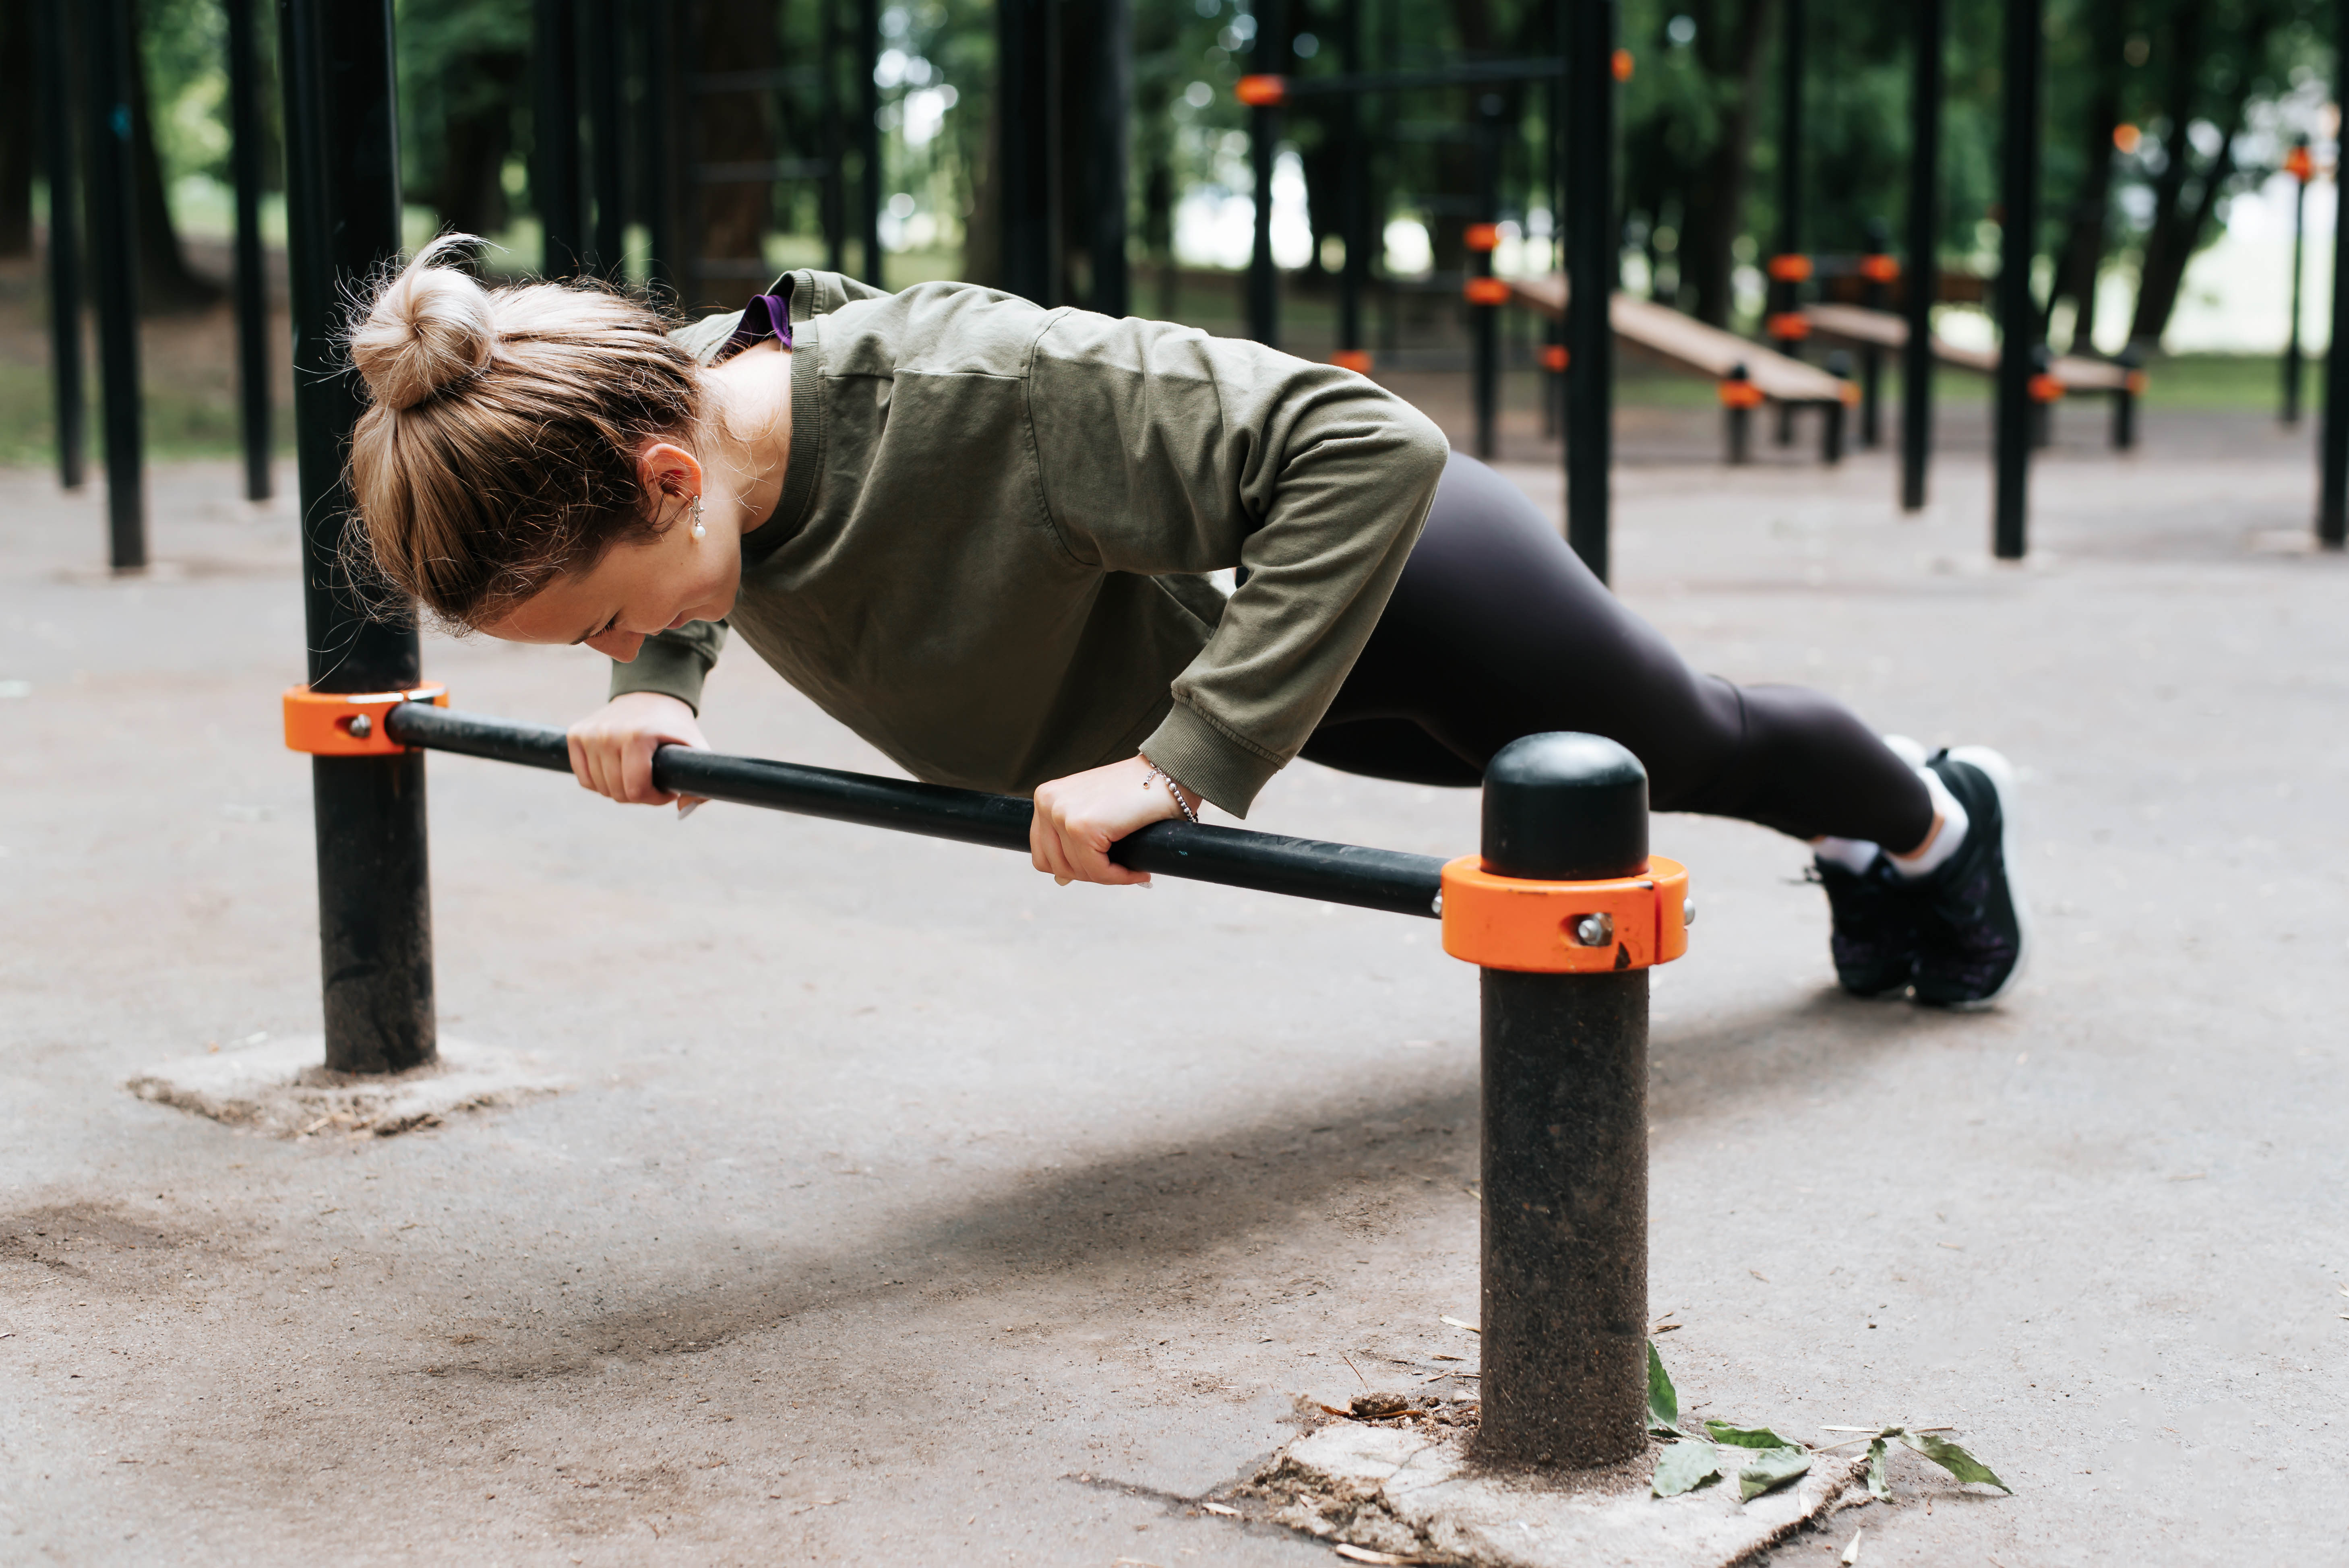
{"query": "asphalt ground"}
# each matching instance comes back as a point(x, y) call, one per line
point(908, 1209)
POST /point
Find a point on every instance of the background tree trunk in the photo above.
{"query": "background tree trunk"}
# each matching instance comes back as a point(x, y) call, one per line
point(734, 127)
point(2083, 256)
point(167, 286)
point(1738, 33)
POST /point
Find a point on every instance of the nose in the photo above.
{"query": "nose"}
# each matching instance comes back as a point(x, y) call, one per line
point(619, 645)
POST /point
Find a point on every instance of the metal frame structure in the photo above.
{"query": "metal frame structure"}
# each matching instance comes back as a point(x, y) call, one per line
point(2018, 312)
point(65, 248)
point(111, 189)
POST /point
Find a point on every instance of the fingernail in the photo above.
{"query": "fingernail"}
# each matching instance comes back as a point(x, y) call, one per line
point(688, 807)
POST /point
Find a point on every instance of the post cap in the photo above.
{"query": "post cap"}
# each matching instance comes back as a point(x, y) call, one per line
point(1564, 807)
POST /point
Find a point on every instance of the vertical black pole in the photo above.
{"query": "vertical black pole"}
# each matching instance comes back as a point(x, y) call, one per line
point(251, 280)
point(1787, 266)
point(1268, 56)
point(1871, 355)
point(1026, 104)
point(2333, 501)
point(556, 184)
point(607, 121)
point(58, 167)
point(1351, 182)
point(1590, 275)
point(834, 199)
point(2292, 371)
point(868, 140)
point(2018, 315)
point(1112, 100)
point(1564, 1311)
point(342, 209)
point(114, 250)
point(1922, 273)
point(1483, 319)
point(663, 184)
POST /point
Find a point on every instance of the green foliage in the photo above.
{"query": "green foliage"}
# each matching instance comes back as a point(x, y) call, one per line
point(1771, 1469)
point(1663, 1399)
point(1684, 1467)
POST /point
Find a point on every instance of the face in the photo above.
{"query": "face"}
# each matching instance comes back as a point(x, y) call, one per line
point(636, 590)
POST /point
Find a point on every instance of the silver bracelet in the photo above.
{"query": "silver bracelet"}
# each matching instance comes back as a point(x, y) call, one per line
point(1157, 773)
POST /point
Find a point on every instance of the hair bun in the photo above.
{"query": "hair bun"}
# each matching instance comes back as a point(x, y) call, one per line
point(427, 329)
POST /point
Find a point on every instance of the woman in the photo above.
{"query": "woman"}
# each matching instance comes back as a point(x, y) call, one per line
point(980, 534)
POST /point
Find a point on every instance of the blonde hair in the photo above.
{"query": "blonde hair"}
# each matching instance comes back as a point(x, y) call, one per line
point(498, 452)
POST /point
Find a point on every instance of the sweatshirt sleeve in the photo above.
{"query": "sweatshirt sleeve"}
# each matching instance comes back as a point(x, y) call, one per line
point(673, 662)
point(1162, 450)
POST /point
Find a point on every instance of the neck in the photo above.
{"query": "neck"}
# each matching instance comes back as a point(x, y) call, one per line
point(749, 438)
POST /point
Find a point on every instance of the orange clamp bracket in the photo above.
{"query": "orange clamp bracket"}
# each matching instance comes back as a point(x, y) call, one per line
point(2135, 383)
point(1262, 91)
point(2046, 388)
point(1482, 236)
point(2300, 165)
point(348, 724)
point(1357, 360)
point(1485, 291)
point(1880, 269)
point(1555, 357)
point(1788, 326)
point(1622, 63)
point(1736, 393)
point(1790, 269)
point(1565, 927)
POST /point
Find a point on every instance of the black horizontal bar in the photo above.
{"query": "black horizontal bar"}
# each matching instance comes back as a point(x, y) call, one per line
point(1385, 879)
point(1471, 73)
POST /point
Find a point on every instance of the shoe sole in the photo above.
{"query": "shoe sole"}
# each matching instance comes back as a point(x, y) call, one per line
point(1994, 767)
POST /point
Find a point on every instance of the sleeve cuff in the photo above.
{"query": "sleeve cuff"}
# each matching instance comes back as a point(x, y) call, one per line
point(1208, 760)
point(672, 669)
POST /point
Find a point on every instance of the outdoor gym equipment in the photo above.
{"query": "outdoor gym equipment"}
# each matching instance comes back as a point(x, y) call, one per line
point(1563, 911)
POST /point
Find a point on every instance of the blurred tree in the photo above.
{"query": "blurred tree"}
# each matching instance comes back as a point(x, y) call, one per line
point(2212, 58)
point(463, 106)
point(2087, 62)
point(179, 44)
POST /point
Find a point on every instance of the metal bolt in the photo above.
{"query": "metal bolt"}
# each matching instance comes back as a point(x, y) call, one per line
point(1437, 907)
point(361, 727)
point(1595, 931)
point(1688, 911)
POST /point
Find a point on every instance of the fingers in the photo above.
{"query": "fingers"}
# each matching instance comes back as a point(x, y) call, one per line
point(1072, 848)
point(636, 772)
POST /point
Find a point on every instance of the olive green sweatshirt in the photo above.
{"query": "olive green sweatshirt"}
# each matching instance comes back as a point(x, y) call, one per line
point(990, 558)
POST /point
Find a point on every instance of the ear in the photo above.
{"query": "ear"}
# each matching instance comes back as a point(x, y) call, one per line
point(669, 472)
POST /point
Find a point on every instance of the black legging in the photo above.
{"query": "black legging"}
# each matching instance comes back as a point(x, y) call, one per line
point(1497, 630)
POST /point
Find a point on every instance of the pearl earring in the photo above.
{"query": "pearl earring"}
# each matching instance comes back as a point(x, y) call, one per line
point(699, 531)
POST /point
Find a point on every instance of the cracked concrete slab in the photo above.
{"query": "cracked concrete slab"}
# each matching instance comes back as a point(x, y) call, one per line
point(280, 1087)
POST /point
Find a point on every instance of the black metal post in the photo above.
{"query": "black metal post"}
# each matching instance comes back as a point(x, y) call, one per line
point(106, 51)
point(1027, 108)
point(868, 141)
point(1113, 100)
point(1268, 56)
point(1832, 418)
point(1786, 286)
point(2333, 496)
point(1921, 277)
point(662, 189)
point(1873, 294)
point(2125, 399)
point(1737, 415)
point(2292, 371)
point(251, 279)
point(607, 121)
point(2018, 314)
point(58, 167)
point(342, 202)
point(1564, 1311)
point(1350, 176)
point(1590, 274)
point(834, 199)
point(1484, 318)
point(557, 185)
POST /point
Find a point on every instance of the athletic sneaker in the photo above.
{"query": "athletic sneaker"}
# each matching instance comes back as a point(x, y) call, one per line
point(1975, 931)
point(1877, 920)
